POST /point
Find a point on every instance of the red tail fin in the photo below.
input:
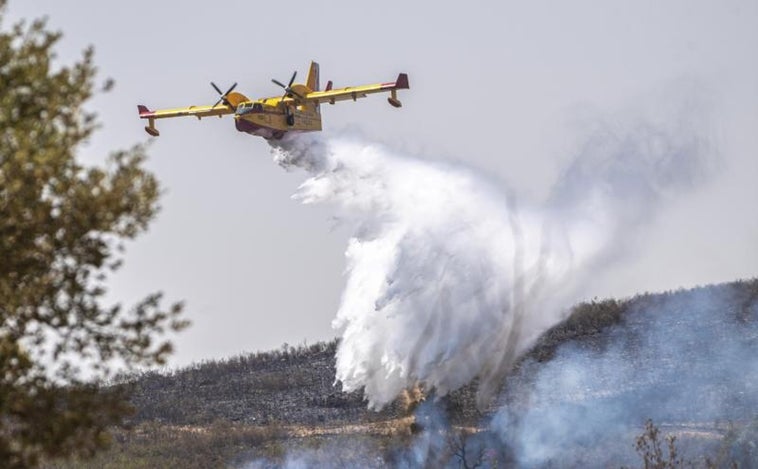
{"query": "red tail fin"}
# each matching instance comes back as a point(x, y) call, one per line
point(402, 82)
point(143, 110)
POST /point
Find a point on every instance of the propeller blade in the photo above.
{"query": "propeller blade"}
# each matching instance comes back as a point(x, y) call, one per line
point(230, 89)
point(223, 95)
point(288, 88)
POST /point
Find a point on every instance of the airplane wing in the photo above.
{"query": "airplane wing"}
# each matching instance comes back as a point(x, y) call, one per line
point(225, 105)
point(197, 111)
point(354, 92)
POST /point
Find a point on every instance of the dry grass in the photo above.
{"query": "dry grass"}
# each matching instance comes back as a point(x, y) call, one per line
point(394, 427)
point(151, 445)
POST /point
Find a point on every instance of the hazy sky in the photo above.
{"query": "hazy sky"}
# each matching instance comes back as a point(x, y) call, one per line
point(500, 86)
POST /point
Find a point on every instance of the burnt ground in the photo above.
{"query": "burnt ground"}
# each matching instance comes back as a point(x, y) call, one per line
point(291, 393)
point(292, 386)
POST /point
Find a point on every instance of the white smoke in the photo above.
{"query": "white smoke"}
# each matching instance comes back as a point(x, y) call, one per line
point(686, 360)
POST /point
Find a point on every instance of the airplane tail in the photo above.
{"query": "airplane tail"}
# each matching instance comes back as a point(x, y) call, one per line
point(313, 80)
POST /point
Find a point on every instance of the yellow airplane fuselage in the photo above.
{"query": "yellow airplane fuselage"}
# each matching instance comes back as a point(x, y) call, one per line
point(270, 120)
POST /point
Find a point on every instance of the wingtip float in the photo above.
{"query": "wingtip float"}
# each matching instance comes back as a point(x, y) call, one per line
point(296, 110)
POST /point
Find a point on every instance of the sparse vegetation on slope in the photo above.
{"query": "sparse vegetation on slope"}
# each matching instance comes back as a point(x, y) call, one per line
point(268, 406)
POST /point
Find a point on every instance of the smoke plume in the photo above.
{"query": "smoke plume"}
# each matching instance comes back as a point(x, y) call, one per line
point(685, 360)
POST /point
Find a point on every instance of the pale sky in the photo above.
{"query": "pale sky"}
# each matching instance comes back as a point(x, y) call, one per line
point(498, 85)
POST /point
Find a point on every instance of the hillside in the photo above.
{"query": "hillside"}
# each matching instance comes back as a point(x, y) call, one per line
point(265, 407)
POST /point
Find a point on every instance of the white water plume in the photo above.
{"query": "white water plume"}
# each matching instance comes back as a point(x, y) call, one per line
point(448, 278)
point(441, 267)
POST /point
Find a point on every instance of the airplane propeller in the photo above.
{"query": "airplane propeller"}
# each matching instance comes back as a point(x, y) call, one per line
point(223, 95)
point(288, 91)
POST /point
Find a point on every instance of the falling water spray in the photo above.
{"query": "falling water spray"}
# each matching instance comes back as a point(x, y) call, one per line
point(446, 275)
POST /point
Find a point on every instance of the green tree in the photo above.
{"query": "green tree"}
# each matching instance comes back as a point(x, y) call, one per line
point(62, 229)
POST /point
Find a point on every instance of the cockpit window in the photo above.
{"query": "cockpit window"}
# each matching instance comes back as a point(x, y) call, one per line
point(257, 107)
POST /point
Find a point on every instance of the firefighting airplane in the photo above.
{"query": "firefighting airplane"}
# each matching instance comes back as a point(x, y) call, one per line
point(297, 110)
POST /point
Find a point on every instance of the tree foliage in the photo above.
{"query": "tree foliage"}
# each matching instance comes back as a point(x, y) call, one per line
point(62, 228)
